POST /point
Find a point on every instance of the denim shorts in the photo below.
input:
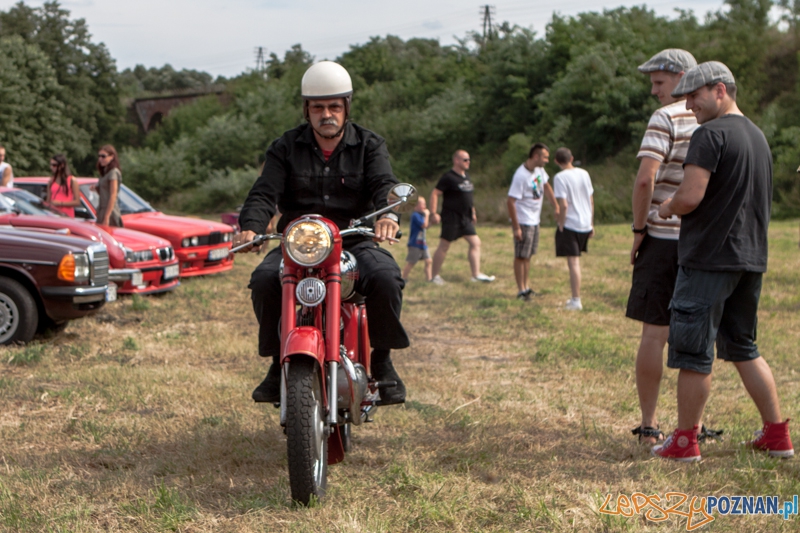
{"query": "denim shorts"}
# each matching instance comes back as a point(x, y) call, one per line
point(709, 307)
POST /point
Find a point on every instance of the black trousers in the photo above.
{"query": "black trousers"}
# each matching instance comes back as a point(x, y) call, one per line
point(379, 281)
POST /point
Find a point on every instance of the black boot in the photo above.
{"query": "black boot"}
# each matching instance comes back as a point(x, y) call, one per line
point(383, 370)
point(269, 391)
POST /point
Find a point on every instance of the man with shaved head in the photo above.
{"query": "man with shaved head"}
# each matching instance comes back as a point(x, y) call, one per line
point(458, 217)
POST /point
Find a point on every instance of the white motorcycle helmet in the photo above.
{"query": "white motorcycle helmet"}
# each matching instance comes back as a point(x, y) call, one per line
point(325, 80)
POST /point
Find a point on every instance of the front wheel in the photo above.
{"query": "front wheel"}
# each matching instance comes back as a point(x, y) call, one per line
point(307, 442)
point(18, 314)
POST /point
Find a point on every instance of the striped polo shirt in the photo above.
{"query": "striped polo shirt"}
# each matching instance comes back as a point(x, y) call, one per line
point(667, 140)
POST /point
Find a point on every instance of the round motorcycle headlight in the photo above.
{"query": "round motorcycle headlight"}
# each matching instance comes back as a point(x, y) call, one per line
point(308, 242)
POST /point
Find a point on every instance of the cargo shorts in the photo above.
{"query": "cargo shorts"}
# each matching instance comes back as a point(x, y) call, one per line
point(713, 307)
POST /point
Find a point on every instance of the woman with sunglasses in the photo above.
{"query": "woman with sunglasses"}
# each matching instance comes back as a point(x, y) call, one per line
point(107, 187)
point(62, 190)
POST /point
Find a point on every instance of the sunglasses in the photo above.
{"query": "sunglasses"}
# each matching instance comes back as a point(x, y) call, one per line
point(102, 156)
point(466, 160)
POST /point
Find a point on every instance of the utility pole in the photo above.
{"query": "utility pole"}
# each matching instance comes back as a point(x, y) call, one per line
point(261, 64)
point(486, 12)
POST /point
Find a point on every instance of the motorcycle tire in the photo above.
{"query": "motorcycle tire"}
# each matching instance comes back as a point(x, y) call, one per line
point(307, 441)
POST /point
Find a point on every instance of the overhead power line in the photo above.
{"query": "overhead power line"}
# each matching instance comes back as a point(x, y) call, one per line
point(261, 64)
point(487, 11)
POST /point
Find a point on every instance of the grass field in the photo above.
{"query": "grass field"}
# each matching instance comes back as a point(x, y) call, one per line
point(518, 415)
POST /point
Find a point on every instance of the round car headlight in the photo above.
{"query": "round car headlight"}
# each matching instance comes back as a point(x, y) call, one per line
point(308, 242)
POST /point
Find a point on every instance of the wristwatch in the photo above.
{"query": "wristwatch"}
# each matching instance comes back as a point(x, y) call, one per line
point(391, 216)
point(640, 231)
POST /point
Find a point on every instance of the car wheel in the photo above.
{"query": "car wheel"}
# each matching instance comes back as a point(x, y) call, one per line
point(18, 315)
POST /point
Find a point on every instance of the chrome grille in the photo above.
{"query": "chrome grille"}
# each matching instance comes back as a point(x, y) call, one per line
point(166, 254)
point(98, 265)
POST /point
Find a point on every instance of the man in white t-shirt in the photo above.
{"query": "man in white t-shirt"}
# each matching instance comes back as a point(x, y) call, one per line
point(529, 184)
point(6, 172)
point(574, 193)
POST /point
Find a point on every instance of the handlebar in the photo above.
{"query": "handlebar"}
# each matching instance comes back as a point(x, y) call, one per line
point(258, 241)
point(363, 231)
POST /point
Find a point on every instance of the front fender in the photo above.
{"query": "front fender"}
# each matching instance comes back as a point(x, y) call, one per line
point(304, 340)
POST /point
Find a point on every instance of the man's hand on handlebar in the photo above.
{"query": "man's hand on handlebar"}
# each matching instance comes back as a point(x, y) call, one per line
point(385, 230)
point(243, 237)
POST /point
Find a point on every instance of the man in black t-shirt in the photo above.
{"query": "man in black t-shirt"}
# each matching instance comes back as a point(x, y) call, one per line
point(724, 201)
point(458, 217)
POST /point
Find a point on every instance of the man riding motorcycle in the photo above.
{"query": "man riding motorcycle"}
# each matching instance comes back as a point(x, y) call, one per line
point(334, 168)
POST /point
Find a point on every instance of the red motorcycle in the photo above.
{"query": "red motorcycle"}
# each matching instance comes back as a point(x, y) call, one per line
point(325, 352)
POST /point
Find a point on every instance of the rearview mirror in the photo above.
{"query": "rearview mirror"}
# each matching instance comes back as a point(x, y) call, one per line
point(405, 193)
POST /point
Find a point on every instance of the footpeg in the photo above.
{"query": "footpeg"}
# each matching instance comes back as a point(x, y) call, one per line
point(396, 402)
point(385, 384)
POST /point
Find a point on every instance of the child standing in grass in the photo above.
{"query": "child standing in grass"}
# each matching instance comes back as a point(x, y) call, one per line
point(417, 242)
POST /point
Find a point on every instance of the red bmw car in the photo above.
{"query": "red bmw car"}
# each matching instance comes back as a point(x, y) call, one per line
point(202, 246)
point(140, 263)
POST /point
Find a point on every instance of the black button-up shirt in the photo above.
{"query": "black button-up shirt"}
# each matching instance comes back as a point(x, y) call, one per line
point(297, 180)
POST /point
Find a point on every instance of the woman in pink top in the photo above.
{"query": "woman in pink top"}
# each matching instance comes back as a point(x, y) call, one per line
point(62, 191)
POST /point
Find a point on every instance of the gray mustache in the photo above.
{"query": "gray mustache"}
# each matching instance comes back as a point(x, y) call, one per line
point(328, 122)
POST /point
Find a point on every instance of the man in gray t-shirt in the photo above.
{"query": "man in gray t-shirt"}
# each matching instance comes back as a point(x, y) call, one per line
point(724, 202)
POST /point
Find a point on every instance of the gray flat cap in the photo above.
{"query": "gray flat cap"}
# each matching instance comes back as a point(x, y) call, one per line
point(701, 75)
point(670, 60)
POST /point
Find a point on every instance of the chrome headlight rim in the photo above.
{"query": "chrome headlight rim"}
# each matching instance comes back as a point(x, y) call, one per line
point(294, 254)
point(82, 267)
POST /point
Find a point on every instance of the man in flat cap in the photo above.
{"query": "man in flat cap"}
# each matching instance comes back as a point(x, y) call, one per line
point(654, 254)
point(724, 201)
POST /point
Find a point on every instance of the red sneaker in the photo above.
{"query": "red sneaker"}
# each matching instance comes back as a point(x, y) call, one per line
point(680, 446)
point(773, 439)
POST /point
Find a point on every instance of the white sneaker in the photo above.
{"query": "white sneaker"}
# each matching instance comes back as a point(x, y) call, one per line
point(483, 277)
point(437, 279)
point(573, 305)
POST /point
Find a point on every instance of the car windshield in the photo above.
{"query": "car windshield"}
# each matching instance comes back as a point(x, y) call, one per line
point(129, 201)
point(30, 204)
point(6, 206)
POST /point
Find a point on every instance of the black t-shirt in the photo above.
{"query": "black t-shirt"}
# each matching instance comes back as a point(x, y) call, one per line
point(728, 229)
point(457, 195)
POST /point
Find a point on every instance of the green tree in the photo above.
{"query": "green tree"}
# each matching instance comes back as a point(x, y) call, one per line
point(141, 79)
point(35, 122)
point(83, 68)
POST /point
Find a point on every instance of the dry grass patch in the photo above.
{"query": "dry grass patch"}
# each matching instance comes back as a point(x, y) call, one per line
point(518, 416)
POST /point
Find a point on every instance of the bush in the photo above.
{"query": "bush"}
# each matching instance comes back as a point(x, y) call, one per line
point(222, 191)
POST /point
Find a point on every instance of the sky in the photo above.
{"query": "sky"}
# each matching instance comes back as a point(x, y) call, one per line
point(221, 36)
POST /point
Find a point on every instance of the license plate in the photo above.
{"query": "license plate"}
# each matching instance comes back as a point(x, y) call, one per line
point(111, 292)
point(219, 253)
point(137, 279)
point(172, 271)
